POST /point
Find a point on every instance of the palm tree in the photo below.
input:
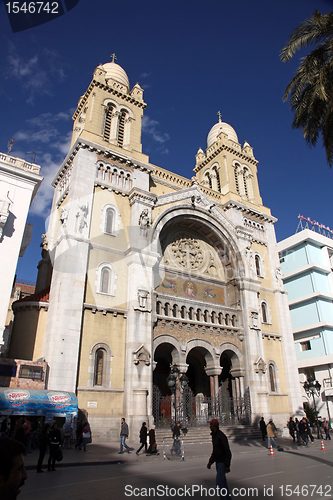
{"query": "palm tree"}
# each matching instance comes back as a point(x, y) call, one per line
point(311, 89)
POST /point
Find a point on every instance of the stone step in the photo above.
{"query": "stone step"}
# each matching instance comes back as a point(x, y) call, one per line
point(202, 434)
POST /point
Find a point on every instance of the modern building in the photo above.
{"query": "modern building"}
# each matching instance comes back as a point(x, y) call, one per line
point(306, 260)
point(144, 271)
point(19, 183)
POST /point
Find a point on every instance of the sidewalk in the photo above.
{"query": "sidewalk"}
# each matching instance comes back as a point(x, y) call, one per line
point(107, 453)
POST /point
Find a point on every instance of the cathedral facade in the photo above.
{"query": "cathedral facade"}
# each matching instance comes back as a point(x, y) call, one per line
point(151, 272)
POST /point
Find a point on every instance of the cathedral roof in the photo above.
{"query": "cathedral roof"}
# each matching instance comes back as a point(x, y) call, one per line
point(116, 72)
point(217, 129)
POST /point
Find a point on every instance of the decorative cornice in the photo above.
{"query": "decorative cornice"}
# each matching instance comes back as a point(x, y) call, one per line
point(101, 151)
point(249, 211)
point(125, 97)
point(113, 310)
point(139, 196)
point(224, 147)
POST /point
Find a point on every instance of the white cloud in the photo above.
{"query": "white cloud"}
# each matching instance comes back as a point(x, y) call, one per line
point(151, 127)
point(51, 134)
point(36, 74)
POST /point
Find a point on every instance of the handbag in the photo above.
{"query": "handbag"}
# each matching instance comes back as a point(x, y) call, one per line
point(59, 455)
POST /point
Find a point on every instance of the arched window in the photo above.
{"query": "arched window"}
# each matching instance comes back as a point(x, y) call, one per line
point(110, 220)
point(99, 366)
point(237, 168)
point(175, 311)
point(107, 122)
point(257, 261)
point(191, 313)
point(227, 319)
point(183, 312)
point(234, 320)
point(220, 318)
point(167, 309)
point(158, 308)
point(100, 369)
point(121, 128)
point(264, 312)
point(198, 314)
point(272, 377)
point(105, 280)
point(206, 316)
point(106, 276)
point(109, 216)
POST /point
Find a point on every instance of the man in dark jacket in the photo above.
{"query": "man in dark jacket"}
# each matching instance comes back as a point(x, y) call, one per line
point(123, 436)
point(221, 456)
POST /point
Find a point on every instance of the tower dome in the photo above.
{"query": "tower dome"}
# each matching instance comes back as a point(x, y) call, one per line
point(219, 127)
point(116, 72)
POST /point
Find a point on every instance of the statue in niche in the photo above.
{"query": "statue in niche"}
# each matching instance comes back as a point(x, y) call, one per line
point(249, 255)
point(278, 275)
point(63, 216)
point(45, 246)
point(81, 218)
point(144, 222)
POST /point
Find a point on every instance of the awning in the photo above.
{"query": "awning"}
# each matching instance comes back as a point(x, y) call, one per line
point(19, 401)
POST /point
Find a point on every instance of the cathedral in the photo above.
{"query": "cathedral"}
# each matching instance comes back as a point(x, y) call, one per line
point(147, 276)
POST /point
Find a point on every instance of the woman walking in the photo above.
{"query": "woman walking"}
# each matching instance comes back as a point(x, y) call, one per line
point(152, 442)
point(143, 437)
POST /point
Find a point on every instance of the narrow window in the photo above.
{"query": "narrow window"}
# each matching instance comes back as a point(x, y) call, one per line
point(107, 122)
point(109, 221)
point(264, 312)
point(245, 180)
point(105, 280)
point(121, 128)
point(99, 366)
point(236, 178)
point(272, 384)
point(257, 263)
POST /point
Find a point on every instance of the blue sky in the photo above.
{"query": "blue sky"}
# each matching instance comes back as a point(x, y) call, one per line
point(193, 59)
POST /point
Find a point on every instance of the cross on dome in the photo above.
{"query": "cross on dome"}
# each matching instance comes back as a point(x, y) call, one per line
point(219, 115)
point(113, 57)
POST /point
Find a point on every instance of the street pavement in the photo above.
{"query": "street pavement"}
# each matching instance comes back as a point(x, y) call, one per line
point(101, 474)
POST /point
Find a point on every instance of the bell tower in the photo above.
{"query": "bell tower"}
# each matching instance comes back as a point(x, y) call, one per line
point(109, 113)
point(227, 167)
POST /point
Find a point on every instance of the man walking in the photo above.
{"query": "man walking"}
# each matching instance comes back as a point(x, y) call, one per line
point(221, 455)
point(326, 427)
point(123, 436)
point(271, 433)
point(263, 430)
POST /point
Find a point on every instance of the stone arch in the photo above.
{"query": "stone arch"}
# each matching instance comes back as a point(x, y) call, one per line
point(222, 230)
point(168, 351)
point(231, 378)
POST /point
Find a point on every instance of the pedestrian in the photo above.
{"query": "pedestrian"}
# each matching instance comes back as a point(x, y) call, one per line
point(5, 426)
point(263, 429)
point(152, 450)
point(85, 436)
point(19, 431)
point(12, 470)
point(123, 436)
point(326, 427)
point(79, 429)
point(298, 434)
point(221, 455)
point(143, 437)
point(27, 434)
point(308, 426)
point(303, 431)
point(292, 428)
point(43, 444)
point(271, 433)
point(176, 439)
point(55, 442)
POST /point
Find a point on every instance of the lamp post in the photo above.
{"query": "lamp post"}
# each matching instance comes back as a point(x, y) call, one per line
point(312, 388)
point(172, 379)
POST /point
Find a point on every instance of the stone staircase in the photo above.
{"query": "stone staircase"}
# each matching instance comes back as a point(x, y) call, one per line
point(200, 435)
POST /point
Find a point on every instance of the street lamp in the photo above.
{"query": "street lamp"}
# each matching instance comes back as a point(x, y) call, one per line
point(172, 384)
point(312, 388)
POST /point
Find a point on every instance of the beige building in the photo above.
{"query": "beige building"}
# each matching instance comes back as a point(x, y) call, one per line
point(151, 270)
